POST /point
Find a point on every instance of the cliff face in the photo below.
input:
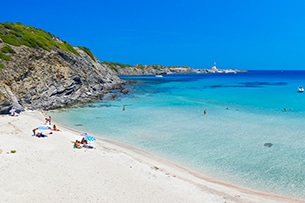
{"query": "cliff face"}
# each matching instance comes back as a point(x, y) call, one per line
point(35, 78)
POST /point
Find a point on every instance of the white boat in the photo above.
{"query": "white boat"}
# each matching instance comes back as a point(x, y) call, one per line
point(159, 75)
point(300, 89)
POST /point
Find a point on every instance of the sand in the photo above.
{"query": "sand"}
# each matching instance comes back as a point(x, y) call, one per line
point(51, 170)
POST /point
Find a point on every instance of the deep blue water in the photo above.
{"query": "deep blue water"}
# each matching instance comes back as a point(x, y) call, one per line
point(244, 111)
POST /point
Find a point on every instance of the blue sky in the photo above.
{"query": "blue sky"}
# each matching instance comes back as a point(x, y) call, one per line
point(261, 34)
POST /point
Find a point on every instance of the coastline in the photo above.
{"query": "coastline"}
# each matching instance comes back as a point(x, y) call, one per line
point(51, 170)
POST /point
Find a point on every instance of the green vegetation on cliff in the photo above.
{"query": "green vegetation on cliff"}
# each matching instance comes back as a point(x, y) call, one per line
point(85, 49)
point(114, 65)
point(18, 34)
point(8, 49)
point(157, 67)
point(4, 57)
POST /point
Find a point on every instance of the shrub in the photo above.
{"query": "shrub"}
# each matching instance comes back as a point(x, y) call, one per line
point(4, 57)
point(140, 66)
point(8, 49)
point(85, 49)
point(114, 64)
point(2, 65)
point(17, 34)
point(67, 47)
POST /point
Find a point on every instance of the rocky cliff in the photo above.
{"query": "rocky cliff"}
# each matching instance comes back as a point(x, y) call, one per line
point(38, 77)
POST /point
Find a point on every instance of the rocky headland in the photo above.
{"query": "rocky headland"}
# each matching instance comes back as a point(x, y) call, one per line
point(40, 71)
point(139, 69)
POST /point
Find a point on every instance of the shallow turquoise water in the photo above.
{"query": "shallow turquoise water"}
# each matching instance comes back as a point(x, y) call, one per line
point(165, 117)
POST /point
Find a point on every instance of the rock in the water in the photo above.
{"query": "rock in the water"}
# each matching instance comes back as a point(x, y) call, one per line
point(268, 144)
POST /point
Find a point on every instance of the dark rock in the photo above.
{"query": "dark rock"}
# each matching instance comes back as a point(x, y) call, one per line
point(268, 144)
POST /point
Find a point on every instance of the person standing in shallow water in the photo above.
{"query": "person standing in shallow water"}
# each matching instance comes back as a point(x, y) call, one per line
point(204, 112)
point(123, 108)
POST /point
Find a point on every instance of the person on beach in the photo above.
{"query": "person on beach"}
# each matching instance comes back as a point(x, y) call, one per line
point(77, 144)
point(88, 146)
point(13, 112)
point(34, 131)
point(40, 134)
point(55, 128)
point(48, 120)
point(83, 141)
point(82, 144)
point(204, 112)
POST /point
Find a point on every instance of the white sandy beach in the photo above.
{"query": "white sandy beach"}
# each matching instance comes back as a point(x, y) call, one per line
point(51, 170)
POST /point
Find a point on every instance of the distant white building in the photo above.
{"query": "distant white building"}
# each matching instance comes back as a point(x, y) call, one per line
point(214, 69)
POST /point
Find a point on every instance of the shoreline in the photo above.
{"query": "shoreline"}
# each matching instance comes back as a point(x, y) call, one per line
point(50, 170)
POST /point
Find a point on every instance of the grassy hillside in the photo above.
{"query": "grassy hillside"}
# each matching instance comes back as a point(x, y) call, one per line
point(18, 34)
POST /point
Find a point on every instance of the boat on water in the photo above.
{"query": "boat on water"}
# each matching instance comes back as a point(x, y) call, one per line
point(300, 89)
point(159, 76)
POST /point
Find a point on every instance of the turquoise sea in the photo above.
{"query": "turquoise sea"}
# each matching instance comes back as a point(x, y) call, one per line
point(165, 116)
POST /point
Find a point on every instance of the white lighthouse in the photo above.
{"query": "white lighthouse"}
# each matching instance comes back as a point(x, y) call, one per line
point(214, 69)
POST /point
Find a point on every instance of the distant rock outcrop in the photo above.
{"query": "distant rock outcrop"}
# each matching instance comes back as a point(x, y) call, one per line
point(36, 78)
point(127, 70)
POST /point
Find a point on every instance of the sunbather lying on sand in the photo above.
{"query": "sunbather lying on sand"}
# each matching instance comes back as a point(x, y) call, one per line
point(88, 146)
point(83, 143)
point(40, 134)
point(77, 144)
